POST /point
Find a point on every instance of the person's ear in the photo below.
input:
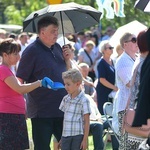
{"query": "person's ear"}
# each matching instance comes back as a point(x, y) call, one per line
point(78, 83)
point(125, 44)
point(42, 31)
point(5, 54)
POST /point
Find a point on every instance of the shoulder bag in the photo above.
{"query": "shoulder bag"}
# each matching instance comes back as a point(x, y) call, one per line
point(91, 73)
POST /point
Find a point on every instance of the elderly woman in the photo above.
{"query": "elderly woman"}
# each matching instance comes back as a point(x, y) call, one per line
point(106, 75)
point(123, 67)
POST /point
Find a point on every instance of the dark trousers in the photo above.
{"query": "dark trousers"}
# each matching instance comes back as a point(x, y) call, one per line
point(42, 130)
point(71, 142)
point(96, 130)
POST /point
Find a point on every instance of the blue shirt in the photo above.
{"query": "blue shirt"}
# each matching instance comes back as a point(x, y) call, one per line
point(108, 72)
point(39, 61)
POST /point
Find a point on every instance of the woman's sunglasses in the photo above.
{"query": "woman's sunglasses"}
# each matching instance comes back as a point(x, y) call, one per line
point(110, 47)
point(133, 40)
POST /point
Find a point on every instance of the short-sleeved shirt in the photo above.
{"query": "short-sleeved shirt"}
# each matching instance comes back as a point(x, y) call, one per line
point(86, 59)
point(108, 72)
point(39, 61)
point(10, 101)
point(123, 67)
point(74, 111)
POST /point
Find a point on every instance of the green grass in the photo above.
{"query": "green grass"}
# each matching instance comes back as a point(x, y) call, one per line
point(90, 140)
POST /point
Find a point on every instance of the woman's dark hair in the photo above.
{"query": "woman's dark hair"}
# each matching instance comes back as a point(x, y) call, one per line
point(148, 38)
point(13, 35)
point(142, 41)
point(145, 66)
point(9, 46)
point(96, 39)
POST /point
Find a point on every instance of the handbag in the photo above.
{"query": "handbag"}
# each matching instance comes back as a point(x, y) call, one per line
point(142, 131)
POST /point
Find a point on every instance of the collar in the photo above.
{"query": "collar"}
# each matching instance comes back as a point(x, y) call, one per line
point(127, 55)
point(78, 96)
point(43, 45)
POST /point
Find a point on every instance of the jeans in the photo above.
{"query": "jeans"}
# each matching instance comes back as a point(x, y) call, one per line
point(115, 143)
point(96, 130)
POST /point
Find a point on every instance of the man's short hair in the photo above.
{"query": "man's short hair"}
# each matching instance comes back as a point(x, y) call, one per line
point(125, 38)
point(46, 21)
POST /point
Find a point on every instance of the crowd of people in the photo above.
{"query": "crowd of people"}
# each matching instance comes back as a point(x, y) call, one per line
point(29, 66)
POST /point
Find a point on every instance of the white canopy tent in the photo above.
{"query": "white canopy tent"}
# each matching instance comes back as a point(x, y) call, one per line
point(10, 27)
point(133, 27)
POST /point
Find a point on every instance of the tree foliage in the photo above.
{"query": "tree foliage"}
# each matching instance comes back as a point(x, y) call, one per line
point(18, 10)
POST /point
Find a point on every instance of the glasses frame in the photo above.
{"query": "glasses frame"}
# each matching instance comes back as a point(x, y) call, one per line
point(110, 48)
point(133, 40)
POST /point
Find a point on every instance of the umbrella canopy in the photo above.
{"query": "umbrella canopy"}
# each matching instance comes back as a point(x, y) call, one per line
point(143, 5)
point(72, 17)
point(133, 27)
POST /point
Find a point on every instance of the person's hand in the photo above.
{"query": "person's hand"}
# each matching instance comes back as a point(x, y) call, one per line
point(83, 145)
point(100, 120)
point(66, 52)
point(115, 88)
point(89, 83)
point(59, 145)
point(47, 82)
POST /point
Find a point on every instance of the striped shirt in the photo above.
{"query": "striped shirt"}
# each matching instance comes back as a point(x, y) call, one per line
point(74, 111)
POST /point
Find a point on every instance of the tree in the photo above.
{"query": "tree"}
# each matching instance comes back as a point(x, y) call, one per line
point(20, 9)
point(129, 10)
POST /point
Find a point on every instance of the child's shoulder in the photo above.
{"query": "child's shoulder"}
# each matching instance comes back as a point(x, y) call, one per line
point(66, 97)
point(85, 97)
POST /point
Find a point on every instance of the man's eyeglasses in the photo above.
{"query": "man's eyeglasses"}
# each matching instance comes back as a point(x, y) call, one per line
point(133, 40)
point(110, 47)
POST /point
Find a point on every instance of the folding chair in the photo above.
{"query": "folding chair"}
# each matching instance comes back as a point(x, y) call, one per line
point(107, 109)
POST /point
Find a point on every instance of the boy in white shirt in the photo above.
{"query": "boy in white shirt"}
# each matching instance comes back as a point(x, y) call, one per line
point(76, 108)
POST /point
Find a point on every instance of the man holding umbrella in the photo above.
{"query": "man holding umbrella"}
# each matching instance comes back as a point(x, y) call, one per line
point(44, 57)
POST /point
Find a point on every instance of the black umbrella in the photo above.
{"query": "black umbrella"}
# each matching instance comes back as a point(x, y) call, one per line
point(143, 5)
point(72, 17)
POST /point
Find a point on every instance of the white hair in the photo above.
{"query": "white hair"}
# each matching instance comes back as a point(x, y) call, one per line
point(102, 45)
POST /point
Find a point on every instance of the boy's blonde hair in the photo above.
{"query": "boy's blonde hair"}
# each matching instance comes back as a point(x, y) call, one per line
point(73, 74)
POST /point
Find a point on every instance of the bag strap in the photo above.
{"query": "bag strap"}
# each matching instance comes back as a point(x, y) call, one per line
point(89, 57)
